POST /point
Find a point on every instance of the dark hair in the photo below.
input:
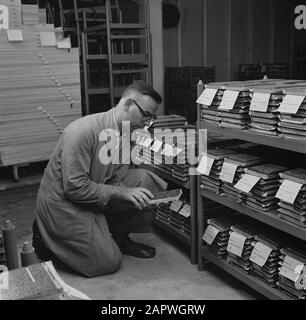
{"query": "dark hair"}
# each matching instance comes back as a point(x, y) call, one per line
point(143, 88)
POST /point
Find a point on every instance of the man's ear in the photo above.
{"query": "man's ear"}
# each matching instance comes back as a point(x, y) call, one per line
point(128, 103)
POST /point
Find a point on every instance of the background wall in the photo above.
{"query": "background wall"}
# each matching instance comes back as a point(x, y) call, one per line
point(228, 32)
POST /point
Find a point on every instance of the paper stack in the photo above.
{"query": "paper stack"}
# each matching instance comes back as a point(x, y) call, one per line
point(180, 217)
point(266, 260)
point(239, 162)
point(30, 14)
point(40, 94)
point(292, 117)
point(211, 180)
point(262, 195)
point(292, 195)
point(217, 234)
point(240, 246)
point(163, 212)
point(293, 262)
point(172, 121)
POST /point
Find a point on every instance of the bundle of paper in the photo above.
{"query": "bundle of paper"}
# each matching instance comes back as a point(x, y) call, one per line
point(162, 212)
point(172, 121)
point(180, 216)
point(262, 196)
point(210, 180)
point(240, 246)
point(217, 234)
point(265, 259)
point(238, 163)
point(40, 93)
point(292, 124)
point(292, 196)
point(292, 264)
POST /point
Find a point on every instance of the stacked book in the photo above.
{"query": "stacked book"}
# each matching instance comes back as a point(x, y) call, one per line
point(262, 195)
point(265, 259)
point(163, 212)
point(217, 234)
point(240, 161)
point(240, 246)
point(292, 124)
point(293, 209)
point(211, 181)
point(172, 121)
point(292, 264)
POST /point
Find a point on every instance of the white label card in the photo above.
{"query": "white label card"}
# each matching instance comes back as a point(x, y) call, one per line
point(291, 104)
point(291, 268)
point(228, 172)
point(176, 205)
point(64, 43)
point(156, 145)
point(228, 100)
point(236, 243)
point(14, 35)
point(147, 142)
point(260, 102)
point(207, 96)
point(205, 165)
point(210, 234)
point(288, 191)
point(168, 150)
point(185, 211)
point(260, 254)
point(246, 183)
point(47, 39)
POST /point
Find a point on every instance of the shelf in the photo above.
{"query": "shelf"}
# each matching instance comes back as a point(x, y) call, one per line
point(267, 218)
point(166, 176)
point(129, 71)
point(127, 26)
point(275, 142)
point(117, 91)
point(127, 36)
point(129, 58)
point(251, 281)
point(175, 232)
point(97, 57)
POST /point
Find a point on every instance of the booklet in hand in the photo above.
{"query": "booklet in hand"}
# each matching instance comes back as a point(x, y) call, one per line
point(166, 196)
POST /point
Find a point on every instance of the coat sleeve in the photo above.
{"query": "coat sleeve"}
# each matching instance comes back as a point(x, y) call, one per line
point(78, 148)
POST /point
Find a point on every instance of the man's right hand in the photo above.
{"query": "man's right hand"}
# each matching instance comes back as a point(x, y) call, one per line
point(140, 197)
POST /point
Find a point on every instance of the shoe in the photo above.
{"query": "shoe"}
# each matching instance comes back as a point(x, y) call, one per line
point(131, 248)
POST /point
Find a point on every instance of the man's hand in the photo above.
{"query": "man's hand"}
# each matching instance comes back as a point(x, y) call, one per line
point(140, 197)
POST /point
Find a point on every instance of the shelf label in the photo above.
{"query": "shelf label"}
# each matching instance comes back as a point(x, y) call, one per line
point(14, 35)
point(288, 191)
point(260, 102)
point(185, 211)
point(246, 183)
point(176, 205)
point(260, 254)
point(291, 104)
point(47, 39)
point(147, 142)
point(156, 145)
point(205, 165)
point(236, 243)
point(207, 96)
point(228, 172)
point(228, 100)
point(291, 268)
point(64, 43)
point(168, 150)
point(210, 234)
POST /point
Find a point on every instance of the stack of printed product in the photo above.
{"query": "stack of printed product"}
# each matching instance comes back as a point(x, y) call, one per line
point(265, 259)
point(262, 195)
point(292, 261)
point(241, 161)
point(240, 246)
point(294, 209)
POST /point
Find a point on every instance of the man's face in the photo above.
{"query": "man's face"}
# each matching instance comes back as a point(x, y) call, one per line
point(141, 111)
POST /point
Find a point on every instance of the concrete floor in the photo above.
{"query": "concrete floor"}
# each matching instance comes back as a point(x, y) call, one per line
point(169, 275)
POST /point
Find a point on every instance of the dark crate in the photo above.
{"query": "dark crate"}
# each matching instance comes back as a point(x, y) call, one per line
point(251, 71)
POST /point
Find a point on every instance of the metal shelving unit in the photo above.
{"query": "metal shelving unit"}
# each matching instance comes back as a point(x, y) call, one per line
point(269, 218)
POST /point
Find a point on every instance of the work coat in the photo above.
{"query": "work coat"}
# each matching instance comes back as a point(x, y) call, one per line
point(74, 192)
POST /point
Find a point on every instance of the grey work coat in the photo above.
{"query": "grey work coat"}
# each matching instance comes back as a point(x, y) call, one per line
point(73, 193)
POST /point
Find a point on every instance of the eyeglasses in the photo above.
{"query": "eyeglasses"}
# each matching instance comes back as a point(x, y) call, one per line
point(146, 114)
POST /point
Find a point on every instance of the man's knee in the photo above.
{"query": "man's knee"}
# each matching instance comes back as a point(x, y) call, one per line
point(143, 178)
